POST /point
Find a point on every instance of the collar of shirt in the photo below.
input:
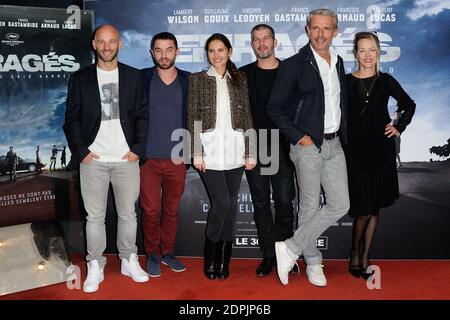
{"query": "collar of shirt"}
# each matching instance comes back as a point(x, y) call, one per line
point(107, 71)
point(322, 61)
point(213, 73)
point(331, 90)
point(156, 76)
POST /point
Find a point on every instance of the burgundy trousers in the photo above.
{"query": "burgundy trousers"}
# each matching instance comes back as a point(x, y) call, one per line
point(162, 185)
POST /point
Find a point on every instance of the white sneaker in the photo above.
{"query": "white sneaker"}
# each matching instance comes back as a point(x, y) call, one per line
point(316, 275)
point(94, 277)
point(132, 269)
point(285, 261)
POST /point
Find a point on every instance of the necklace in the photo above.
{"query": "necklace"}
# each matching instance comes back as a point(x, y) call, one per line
point(367, 92)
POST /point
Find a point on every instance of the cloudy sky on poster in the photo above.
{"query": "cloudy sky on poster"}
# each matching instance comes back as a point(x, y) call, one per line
point(34, 76)
point(414, 38)
point(413, 34)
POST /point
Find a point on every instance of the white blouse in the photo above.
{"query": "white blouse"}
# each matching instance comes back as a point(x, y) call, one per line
point(224, 148)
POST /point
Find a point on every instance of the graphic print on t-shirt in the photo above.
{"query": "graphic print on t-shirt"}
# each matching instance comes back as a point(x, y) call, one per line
point(110, 101)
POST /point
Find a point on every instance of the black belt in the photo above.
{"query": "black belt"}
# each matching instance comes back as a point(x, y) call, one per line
point(329, 136)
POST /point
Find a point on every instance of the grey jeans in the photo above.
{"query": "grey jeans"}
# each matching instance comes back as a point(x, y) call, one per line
point(94, 179)
point(314, 167)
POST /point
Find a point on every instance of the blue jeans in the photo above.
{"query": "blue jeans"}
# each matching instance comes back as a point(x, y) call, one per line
point(316, 167)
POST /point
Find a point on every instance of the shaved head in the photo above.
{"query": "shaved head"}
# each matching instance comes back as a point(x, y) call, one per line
point(106, 28)
point(106, 44)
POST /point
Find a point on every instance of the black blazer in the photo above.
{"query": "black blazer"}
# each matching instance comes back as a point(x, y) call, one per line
point(257, 115)
point(250, 72)
point(297, 101)
point(83, 110)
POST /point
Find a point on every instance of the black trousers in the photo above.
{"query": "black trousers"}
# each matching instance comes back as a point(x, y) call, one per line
point(222, 187)
point(283, 193)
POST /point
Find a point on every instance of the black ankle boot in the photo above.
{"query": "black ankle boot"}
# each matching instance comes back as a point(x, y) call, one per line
point(266, 266)
point(223, 256)
point(210, 253)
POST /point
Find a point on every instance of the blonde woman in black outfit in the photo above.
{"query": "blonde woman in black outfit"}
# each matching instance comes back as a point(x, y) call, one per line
point(373, 181)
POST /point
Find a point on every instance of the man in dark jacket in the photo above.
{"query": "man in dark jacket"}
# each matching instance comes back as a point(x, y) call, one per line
point(308, 105)
point(108, 138)
point(11, 163)
point(163, 173)
point(273, 153)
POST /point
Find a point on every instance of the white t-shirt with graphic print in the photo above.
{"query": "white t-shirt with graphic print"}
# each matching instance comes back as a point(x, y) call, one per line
point(110, 143)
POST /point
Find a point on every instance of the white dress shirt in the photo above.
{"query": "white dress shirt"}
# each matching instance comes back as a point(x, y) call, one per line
point(332, 91)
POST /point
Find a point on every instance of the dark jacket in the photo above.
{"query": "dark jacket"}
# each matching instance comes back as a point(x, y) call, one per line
point(297, 102)
point(83, 111)
point(202, 105)
point(11, 158)
point(261, 118)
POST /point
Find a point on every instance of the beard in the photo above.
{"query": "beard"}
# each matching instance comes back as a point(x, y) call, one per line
point(264, 55)
point(165, 63)
point(106, 58)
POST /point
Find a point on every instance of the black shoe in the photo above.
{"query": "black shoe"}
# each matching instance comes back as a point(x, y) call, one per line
point(223, 256)
point(354, 269)
point(295, 269)
point(366, 271)
point(209, 262)
point(266, 266)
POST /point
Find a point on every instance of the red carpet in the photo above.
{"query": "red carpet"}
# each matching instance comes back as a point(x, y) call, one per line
point(416, 279)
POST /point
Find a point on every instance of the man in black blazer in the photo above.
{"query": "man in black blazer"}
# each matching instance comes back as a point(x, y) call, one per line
point(274, 167)
point(308, 105)
point(107, 133)
point(163, 173)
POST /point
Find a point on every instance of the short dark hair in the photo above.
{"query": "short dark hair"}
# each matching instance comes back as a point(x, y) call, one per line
point(163, 36)
point(263, 26)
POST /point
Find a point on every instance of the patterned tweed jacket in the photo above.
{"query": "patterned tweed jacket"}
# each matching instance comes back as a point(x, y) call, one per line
point(202, 107)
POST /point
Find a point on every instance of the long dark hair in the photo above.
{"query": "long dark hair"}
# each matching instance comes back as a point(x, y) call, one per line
point(231, 67)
